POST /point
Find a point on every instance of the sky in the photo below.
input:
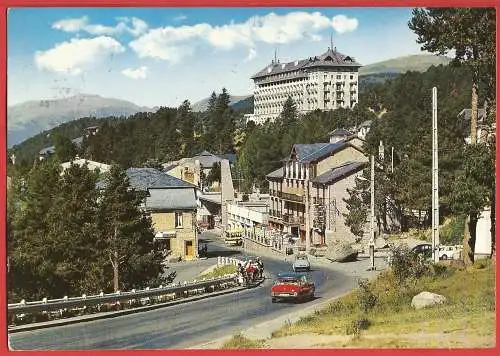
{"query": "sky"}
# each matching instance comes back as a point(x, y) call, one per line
point(161, 57)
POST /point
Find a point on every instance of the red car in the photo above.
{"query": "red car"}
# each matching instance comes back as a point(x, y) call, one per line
point(293, 286)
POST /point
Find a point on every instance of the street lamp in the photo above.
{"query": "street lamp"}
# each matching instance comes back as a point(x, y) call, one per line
point(372, 213)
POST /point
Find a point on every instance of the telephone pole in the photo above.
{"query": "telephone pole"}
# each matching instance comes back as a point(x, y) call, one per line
point(372, 214)
point(435, 180)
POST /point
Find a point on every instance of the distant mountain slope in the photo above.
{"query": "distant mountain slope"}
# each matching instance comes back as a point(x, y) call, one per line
point(201, 105)
point(29, 118)
point(417, 62)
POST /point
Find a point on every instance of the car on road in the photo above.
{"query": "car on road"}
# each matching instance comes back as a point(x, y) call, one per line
point(425, 250)
point(449, 252)
point(301, 263)
point(293, 286)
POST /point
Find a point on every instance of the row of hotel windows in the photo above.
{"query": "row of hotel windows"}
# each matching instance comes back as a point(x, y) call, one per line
point(276, 88)
point(338, 77)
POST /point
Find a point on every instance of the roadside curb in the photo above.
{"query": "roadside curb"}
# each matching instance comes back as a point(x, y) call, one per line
point(108, 315)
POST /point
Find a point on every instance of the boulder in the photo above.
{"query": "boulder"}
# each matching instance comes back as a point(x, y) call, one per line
point(381, 242)
point(427, 299)
point(341, 251)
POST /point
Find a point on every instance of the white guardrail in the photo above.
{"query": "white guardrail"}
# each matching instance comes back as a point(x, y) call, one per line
point(47, 309)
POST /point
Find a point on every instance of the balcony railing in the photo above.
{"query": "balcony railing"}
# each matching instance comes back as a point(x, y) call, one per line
point(274, 213)
point(293, 220)
point(293, 197)
point(275, 193)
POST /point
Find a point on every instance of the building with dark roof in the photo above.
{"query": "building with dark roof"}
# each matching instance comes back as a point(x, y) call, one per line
point(307, 193)
point(326, 82)
point(172, 204)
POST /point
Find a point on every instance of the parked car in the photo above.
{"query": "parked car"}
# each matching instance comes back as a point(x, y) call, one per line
point(301, 263)
point(423, 249)
point(449, 252)
point(293, 286)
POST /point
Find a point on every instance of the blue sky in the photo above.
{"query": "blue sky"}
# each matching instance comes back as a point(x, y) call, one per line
point(160, 57)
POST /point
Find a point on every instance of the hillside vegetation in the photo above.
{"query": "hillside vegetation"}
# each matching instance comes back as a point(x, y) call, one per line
point(417, 62)
point(466, 319)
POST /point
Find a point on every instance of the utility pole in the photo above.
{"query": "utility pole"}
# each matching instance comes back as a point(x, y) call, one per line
point(435, 180)
point(372, 215)
point(392, 159)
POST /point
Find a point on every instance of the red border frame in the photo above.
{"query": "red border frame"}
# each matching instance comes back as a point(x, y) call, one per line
point(199, 3)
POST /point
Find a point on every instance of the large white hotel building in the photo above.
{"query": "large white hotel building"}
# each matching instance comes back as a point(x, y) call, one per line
point(324, 82)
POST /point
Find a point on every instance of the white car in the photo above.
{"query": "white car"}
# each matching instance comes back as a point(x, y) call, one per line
point(301, 263)
point(449, 252)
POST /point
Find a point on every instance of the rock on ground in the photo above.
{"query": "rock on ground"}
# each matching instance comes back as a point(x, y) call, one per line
point(427, 299)
point(341, 251)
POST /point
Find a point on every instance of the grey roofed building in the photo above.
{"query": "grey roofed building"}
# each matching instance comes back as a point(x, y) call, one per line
point(146, 178)
point(331, 58)
point(168, 199)
point(312, 152)
point(340, 132)
point(150, 178)
point(231, 157)
point(277, 174)
point(338, 173)
point(206, 159)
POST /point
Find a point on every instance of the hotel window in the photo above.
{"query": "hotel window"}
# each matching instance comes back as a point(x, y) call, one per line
point(178, 219)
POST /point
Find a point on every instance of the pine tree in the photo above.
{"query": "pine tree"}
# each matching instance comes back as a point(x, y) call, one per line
point(127, 234)
point(65, 148)
point(186, 121)
point(73, 234)
point(470, 32)
point(31, 264)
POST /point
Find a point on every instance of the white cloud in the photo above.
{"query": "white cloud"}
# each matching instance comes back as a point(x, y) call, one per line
point(139, 73)
point(82, 24)
point(342, 24)
point(169, 43)
point(173, 43)
point(77, 54)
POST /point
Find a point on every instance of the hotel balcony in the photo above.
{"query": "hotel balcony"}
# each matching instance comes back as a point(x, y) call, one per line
point(275, 193)
point(293, 220)
point(293, 197)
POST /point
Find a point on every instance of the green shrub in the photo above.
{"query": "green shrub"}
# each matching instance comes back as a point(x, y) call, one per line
point(366, 298)
point(355, 326)
point(406, 265)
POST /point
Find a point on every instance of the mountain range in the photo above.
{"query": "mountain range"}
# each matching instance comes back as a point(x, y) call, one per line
point(27, 119)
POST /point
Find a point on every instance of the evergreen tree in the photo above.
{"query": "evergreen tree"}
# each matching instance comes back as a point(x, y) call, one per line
point(186, 121)
point(31, 264)
point(470, 32)
point(473, 190)
point(289, 113)
point(65, 148)
point(72, 233)
point(127, 235)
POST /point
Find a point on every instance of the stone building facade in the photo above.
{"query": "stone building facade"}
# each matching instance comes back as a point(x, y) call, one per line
point(306, 194)
point(324, 82)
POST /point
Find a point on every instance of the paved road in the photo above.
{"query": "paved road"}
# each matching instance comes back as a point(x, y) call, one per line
point(189, 324)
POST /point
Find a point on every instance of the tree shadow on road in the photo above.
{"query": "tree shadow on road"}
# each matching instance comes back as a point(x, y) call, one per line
point(225, 253)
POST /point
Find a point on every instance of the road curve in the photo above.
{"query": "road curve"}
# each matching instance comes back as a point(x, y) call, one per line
point(184, 325)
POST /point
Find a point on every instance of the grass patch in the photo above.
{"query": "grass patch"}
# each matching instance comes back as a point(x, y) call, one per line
point(240, 342)
point(468, 314)
point(218, 272)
